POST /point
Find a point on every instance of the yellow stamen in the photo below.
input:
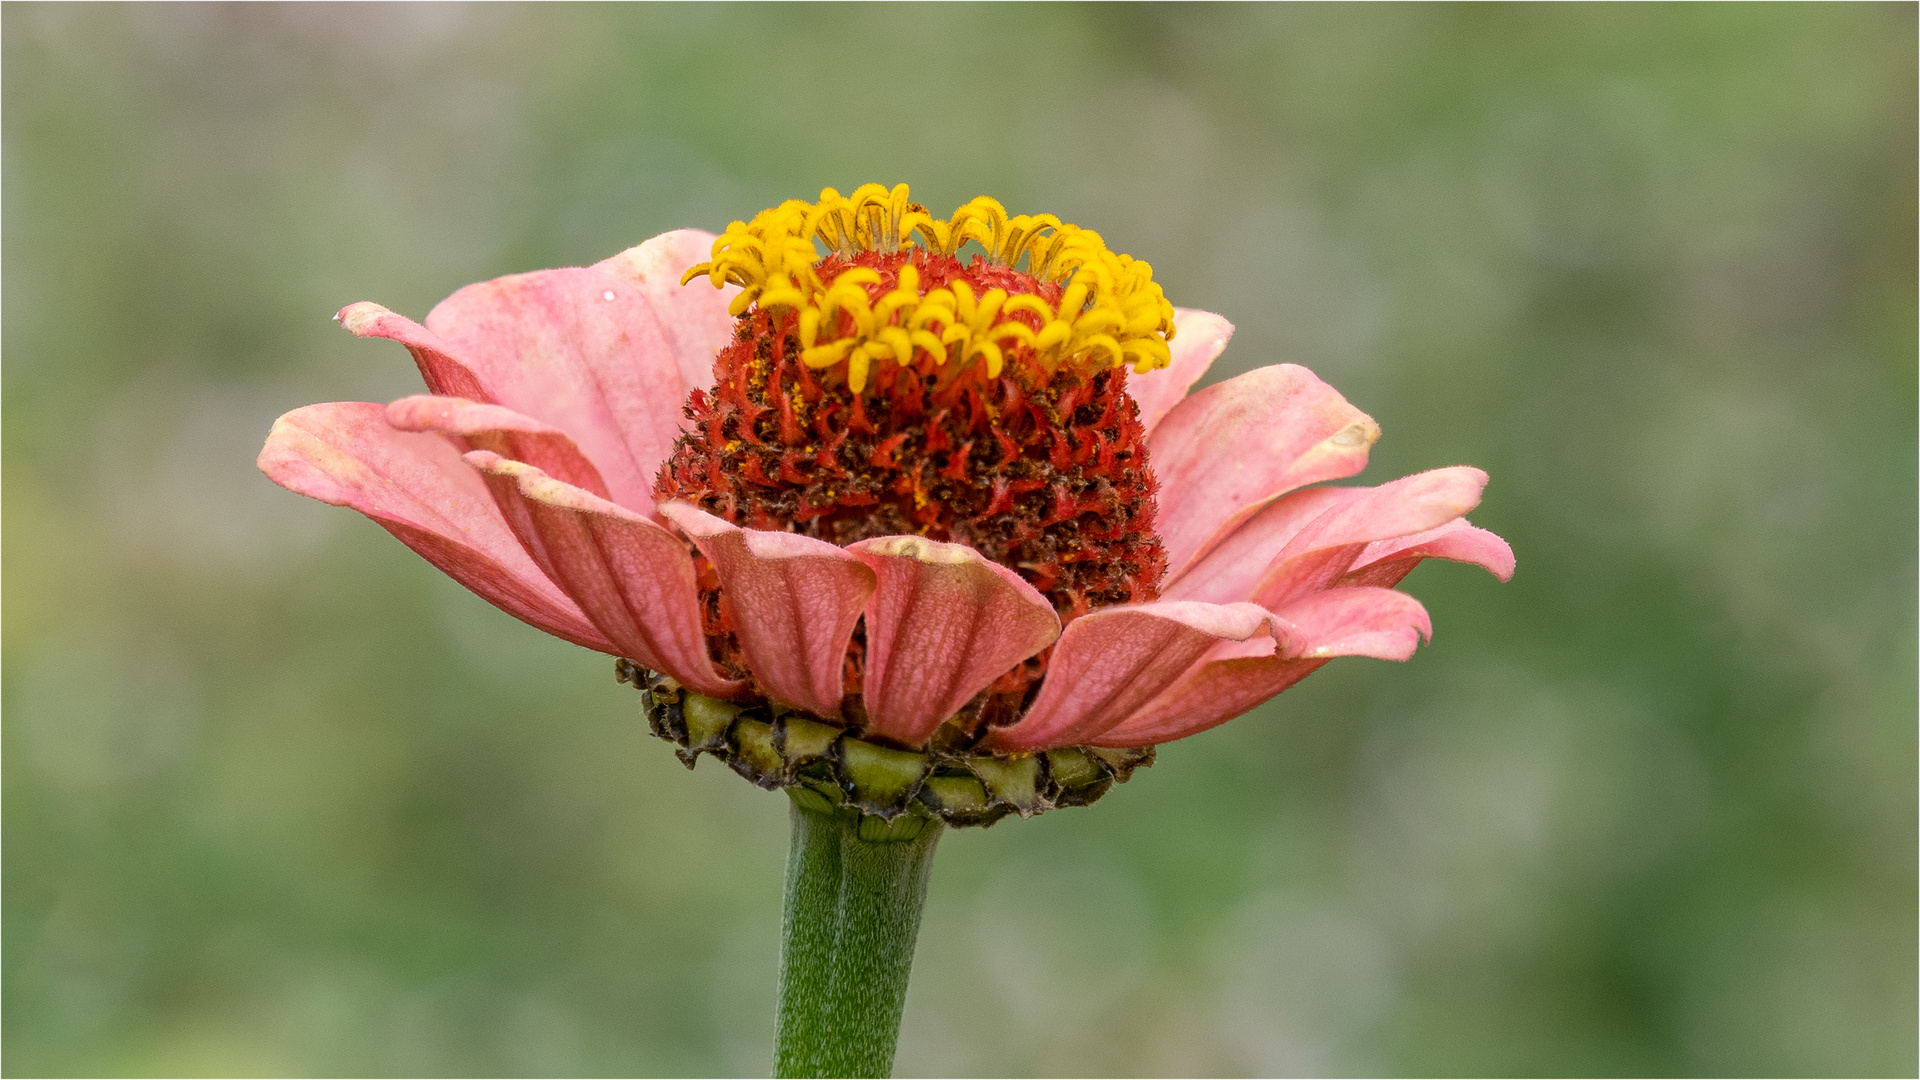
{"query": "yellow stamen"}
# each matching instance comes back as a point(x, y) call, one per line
point(1110, 312)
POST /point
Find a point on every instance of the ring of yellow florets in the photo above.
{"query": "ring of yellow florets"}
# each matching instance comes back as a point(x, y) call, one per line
point(1110, 311)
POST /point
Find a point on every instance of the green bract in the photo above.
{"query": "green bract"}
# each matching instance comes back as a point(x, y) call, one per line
point(826, 768)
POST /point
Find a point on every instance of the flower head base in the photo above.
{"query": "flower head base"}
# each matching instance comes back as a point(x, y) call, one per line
point(894, 791)
point(878, 525)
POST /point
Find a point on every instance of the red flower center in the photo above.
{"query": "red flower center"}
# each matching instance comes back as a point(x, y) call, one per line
point(848, 417)
point(1041, 471)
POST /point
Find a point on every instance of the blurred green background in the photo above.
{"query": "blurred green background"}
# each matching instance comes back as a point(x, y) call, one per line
point(280, 799)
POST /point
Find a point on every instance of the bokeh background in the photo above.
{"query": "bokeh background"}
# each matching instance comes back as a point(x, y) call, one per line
point(280, 799)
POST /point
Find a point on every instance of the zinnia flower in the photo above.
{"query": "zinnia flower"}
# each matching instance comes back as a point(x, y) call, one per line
point(902, 531)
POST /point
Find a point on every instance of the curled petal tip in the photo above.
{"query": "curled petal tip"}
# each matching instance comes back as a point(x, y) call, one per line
point(1384, 563)
point(1501, 565)
point(359, 318)
point(1360, 433)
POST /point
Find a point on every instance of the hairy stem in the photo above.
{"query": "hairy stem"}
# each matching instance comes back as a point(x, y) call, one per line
point(853, 899)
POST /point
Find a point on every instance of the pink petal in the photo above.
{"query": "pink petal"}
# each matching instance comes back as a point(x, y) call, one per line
point(794, 602)
point(1210, 695)
point(1411, 504)
point(598, 352)
point(1380, 623)
point(693, 315)
point(1227, 682)
point(501, 430)
point(1327, 546)
point(582, 350)
point(1384, 562)
point(443, 372)
point(1229, 449)
point(418, 489)
point(942, 624)
point(1199, 337)
point(504, 434)
point(1231, 569)
point(1112, 661)
point(633, 578)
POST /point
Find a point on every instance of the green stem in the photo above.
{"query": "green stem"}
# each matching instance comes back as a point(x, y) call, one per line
point(852, 913)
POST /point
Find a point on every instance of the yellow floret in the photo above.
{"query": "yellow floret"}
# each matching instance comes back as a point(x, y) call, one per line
point(1110, 312)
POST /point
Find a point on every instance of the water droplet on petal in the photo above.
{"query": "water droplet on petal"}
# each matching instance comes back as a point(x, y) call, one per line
point(608, 295)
